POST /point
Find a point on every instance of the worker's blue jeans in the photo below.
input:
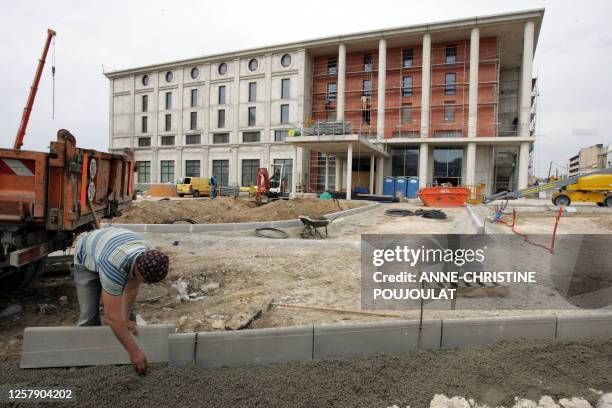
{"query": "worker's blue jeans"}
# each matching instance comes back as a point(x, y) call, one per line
point(89, 290)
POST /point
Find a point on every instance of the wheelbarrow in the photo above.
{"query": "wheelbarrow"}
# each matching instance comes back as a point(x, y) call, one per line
point(312, 225)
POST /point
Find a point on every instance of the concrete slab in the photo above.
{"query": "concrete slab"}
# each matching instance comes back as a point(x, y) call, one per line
point(472, 332)
point(84, 346)
point(254, 347)
point(169, 228)
point(351, 340)
point(181, 349)
point(584, 325)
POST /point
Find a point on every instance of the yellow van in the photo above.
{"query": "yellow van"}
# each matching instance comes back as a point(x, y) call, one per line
point(195, 186)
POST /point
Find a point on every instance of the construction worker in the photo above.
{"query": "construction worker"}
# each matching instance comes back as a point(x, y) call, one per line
point(111, 263)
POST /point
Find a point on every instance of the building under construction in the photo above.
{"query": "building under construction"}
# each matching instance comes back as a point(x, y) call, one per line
point(447, 102)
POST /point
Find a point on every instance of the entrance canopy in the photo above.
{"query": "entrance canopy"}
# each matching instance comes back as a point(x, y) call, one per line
point(338, 144)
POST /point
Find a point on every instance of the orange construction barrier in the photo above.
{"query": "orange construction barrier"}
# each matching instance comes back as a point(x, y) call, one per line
point(161, 190)
point(444, 196)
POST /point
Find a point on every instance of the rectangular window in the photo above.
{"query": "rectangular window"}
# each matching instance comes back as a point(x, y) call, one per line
point(168, 124)
point(222, 95)
point(193, 139)
point(450, 81)
point(251, 137)
point(221, 118)
point(249, 172)
point(194, 97)
point(367, 87)
point(406, 114)
point(220, 138)
point(167, 171)
point(407, 86)
point(143, 169)
point(280, 135)
point(451, 54)
point(252, 91)
point(367, 62)
point(332, 92)
point(144, 124)
point(284, 114)
point(221, 171)
point(332, 66)
point(252, 115)
point(366, 114)
point(192, 168)
point(144, 141)
point(447, 165)
point(449, 112)
point(285, 88)
point(167, 140)
point(404, 162)
point(407, 58)
point(168, 100)
point(288, 170)
point(330, 115)
point(193, 120)
point(145, 103)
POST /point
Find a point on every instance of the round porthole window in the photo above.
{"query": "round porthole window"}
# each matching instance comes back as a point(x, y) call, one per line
point(286, 60)
point(145, 80)
point(169, 76)
point(222, 68)
point(195, 72)
point(253, 65)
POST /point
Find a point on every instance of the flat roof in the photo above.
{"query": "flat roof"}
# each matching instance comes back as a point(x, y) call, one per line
point(435, 27)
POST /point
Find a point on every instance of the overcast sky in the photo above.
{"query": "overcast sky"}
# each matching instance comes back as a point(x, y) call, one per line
point(573, 56)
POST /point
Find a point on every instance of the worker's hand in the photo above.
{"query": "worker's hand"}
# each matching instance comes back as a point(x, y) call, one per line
point(139, 361)
point(131, 326)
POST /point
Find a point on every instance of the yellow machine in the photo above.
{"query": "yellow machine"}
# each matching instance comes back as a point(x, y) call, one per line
point(195, 186)
point(596, 188)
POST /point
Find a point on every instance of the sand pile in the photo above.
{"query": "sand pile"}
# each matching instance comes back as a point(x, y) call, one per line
point(227, 209)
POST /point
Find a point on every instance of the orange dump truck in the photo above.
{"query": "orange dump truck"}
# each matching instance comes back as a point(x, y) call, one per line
point(46, 199)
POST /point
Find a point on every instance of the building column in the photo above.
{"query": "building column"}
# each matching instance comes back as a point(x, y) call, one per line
point(349, 171)
point(523, 166)
point(338, 185)
point(372, 164)
point(526, 75)
point(380, 168)
point(234, 169)
point(341, 82)
point(155, 170)
point(425, 85)
point(179, 165)
point(326, 171)
point(294, 170)
point(204, 164)
point(473, 87)
point(382, 83)
point(470, 165)
point(423, 164)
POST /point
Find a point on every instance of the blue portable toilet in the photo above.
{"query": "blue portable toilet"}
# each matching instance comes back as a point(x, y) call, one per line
point(412, 187)
point(389, 186)
point(400, 187)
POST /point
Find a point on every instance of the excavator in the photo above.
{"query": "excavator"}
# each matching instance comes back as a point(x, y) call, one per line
point(273, 187)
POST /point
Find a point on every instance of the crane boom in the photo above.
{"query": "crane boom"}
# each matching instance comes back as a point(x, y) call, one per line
point(25, 117)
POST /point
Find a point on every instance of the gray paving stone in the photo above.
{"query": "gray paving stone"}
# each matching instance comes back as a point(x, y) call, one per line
point(83, 346)
point(254, 347)
point(471, 332)
point(584, 325)
point(352, 340)
point(181, 349)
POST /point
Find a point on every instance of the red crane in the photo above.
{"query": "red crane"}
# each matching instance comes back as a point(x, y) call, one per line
point(28, 108)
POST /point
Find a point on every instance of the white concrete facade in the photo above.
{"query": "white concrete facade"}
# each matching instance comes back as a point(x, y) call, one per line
point(226, 109)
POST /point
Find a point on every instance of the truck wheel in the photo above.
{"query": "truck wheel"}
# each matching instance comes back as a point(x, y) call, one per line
point(181, 195)
point(562, 200)
point(18, 278)
point(196, 194)
point(608, 202)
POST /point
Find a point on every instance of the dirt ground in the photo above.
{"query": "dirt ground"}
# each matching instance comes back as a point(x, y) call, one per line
point(228, 209)
point(492, 375)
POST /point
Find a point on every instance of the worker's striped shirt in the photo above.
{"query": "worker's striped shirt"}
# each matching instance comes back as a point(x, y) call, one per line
point(111, 253)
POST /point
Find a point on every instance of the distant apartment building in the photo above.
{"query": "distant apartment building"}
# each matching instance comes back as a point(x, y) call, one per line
point(589, 159)
point(447, 102)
